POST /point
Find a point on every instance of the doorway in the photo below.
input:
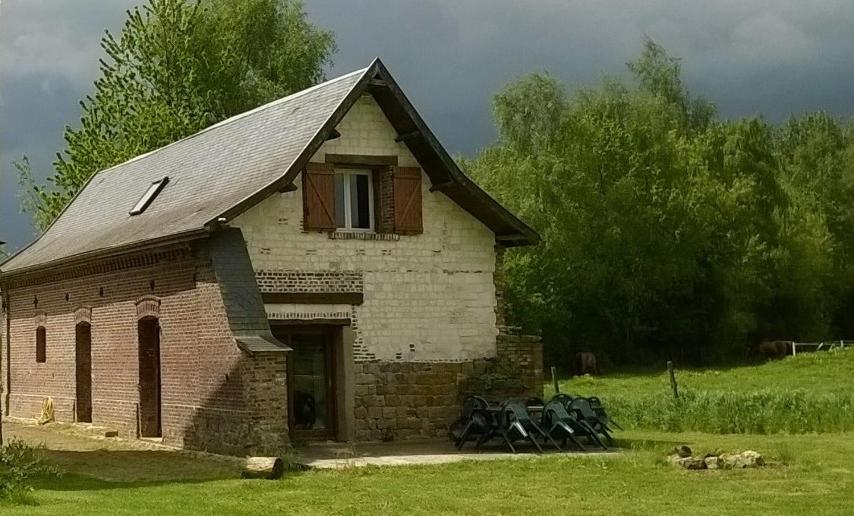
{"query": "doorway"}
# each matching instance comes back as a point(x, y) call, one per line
point(83, 358)
point(149, 377)
point(312, 380)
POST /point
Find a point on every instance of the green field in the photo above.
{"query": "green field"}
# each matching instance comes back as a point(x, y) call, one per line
point(809, 473)
point(812, 392)
point(819, 373)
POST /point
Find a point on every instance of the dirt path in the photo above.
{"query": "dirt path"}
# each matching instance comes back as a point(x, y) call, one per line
point(120, 460)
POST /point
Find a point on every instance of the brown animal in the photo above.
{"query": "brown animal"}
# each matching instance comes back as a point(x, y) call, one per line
point(774, 348)
point(585, 363)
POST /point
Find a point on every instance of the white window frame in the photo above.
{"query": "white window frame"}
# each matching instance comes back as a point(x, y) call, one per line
point(348, 212)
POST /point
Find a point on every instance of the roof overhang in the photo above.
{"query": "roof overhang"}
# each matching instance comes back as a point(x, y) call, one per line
point(261, 343)
point(107, 252)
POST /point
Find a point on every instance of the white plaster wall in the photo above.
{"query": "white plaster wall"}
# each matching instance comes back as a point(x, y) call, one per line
point(428, 297)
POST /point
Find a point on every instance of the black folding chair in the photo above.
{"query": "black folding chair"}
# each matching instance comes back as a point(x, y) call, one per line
point(515, 423)
point(559, 424)
point(599, 408)
point(475, 422)
point(579, 423)
point(587, 416)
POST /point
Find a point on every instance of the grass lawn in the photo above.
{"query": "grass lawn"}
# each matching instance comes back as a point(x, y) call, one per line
point(810, 472)
point(815, 477)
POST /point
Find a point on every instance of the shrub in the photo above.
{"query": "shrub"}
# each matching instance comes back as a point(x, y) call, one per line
point(19, 463)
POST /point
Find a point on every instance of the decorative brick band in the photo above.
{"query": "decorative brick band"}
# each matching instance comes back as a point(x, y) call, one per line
point(308, 315)
point(270, 281)
point(148, 306)
point(359, 235)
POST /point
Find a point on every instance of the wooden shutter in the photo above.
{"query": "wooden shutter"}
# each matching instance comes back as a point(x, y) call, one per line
point(318, 197)
point(407, 200)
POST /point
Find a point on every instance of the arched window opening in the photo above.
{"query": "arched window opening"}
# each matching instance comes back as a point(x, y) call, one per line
point(41, 344)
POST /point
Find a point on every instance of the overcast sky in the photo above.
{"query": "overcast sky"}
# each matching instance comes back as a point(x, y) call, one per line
point(773, 57)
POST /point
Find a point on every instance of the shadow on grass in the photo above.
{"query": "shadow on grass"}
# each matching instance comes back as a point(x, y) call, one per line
point(107, 467)
point(99, 470)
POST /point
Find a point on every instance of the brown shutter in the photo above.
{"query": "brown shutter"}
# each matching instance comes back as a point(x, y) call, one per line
point(407, 200)
point(318, 197)
point(383, 179)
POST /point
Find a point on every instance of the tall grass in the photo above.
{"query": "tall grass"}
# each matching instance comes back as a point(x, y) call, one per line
point(808, 393)
point(761, 412)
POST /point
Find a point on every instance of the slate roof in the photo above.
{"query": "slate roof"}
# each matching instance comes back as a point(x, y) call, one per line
point(228, 167)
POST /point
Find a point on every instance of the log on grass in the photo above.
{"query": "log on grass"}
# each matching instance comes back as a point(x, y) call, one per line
point(263, 467)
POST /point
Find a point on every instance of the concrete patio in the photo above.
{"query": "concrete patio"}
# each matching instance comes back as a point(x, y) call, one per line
point(344, 455)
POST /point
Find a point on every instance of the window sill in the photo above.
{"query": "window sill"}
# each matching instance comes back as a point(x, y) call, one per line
point(363, 235)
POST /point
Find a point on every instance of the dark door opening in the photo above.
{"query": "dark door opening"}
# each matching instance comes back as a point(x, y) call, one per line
point(83, 346)
point(311, 381)
point(149, 377)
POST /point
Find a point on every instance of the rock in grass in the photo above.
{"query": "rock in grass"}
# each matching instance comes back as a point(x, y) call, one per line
point(683, 451)
point(263, 467)
point(692, 463)
point(712, 462)
point(745, 459)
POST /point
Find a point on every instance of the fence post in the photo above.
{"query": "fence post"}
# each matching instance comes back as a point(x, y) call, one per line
point(673, 379)
point(554, 380)
point(794, 348)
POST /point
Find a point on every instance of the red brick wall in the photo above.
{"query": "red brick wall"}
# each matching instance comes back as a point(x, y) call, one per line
point(203, 396)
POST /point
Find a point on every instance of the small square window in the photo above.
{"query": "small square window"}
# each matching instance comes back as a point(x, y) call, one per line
point(354, 200)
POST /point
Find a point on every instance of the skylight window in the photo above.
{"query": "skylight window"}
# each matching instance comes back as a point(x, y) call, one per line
point(149, 195)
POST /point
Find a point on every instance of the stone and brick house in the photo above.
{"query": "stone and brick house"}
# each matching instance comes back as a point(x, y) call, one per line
point(317, 268)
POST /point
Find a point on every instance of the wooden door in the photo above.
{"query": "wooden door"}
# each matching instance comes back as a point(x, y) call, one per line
point(83, 348)
point(311, 381)
point(149, 378)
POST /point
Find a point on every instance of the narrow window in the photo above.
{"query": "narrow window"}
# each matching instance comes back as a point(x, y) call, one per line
point(41, 344)
point(354, 200)
point(149, 195)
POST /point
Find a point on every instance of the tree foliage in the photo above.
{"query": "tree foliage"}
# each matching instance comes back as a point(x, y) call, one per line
point(666, 231)
point(180, 66)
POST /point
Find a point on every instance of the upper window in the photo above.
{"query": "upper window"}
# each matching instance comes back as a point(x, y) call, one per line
point(41, 344)
point(149, 196)
point(354, 200)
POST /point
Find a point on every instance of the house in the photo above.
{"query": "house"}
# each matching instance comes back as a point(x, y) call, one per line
point(315, 269)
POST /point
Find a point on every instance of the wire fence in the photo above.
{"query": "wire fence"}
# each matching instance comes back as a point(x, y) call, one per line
point(820, 346)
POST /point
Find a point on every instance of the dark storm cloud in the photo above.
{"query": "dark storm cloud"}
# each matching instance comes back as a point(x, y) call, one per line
point(773, 57)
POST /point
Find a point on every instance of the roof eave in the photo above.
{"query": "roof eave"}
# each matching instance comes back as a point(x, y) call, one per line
point(106, 252)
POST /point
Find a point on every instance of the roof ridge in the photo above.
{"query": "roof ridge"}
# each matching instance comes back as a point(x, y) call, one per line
point(234, 118)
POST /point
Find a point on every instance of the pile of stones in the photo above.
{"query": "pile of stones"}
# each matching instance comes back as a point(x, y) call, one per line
point(684, 457)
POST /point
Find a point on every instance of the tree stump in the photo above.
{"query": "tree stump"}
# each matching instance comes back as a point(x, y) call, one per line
point(263, 467)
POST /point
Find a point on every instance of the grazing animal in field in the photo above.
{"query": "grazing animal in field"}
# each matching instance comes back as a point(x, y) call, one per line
point(774, 348)
point(585, 363)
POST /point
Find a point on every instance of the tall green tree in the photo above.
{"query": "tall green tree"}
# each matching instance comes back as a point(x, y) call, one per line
point(177, 67)
point(668, 232)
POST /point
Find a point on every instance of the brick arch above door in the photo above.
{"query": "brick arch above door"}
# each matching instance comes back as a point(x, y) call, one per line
point(83, 314)
point(148, 306)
